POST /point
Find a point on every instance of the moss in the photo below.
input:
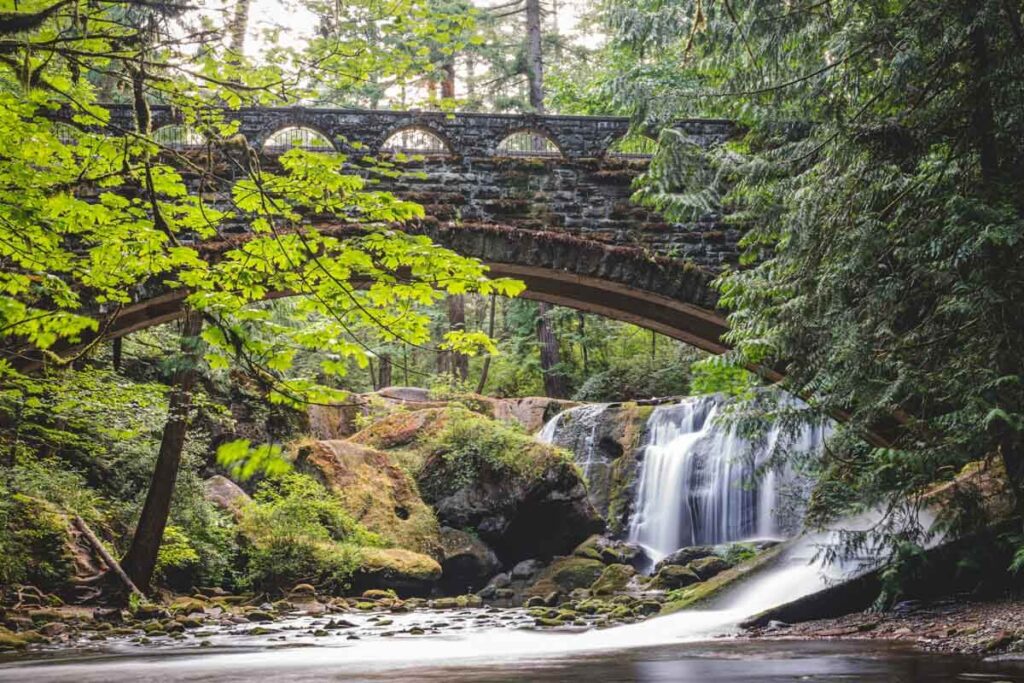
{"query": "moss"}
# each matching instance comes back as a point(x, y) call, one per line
point(33, 543)
point(701, 592)
point(565, 574)
point(673, 576)
point(708, 567)
point(376, 492)
point(468, 444)
point(614, 578)
point(400, 561)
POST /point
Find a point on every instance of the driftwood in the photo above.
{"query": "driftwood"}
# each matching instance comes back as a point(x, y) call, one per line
point(113, 564)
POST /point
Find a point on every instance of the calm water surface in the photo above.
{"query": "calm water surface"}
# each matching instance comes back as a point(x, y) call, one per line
point(725, 661)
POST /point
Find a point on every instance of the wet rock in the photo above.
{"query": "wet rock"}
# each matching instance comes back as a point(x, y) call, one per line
point(673, 576)
point(52, 629)
point(111, 615)
point(466, 562)
point(151, 611)
point(259, 615)
point(707, 567)
point(614, 578)
point(685, 556)
point(526, 570)
point(566, 574)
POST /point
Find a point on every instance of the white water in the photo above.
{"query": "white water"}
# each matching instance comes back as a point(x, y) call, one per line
point(701, 482)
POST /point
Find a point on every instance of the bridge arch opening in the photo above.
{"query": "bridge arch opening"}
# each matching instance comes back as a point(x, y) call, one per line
point(528, 143)
point(415, 140)
point(302, 137)
point(632, 146)
point(179, 137)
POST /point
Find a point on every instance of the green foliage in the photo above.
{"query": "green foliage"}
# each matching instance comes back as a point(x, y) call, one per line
point(243, 461)
point(176, 553)
point(876, 183)
point(297, 532)
point(635, 378)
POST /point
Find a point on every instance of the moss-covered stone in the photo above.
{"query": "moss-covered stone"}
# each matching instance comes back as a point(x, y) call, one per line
point(673, 576)
point(376, 491)
point(699, 593)
point(403, 571)
point(614, 578)
point(565, 574)
point(708, 567)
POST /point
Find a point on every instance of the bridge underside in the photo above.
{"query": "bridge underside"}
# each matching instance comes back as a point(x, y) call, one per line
point(668, 296)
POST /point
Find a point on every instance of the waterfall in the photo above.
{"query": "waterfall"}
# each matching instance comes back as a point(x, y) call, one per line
point(699, 480)
point(576, 430)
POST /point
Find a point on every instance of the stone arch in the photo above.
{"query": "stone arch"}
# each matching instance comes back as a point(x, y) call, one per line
point(66, 133)
point(304, 137)
point(416, 139)
point(179, 136)
point(528, 142)
point(632, 146)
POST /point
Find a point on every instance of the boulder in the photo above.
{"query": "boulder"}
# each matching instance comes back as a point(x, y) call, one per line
point(613, 579)
point(685, 556)
point(707, 567)
point(610, 551)
point(566, 574)
point(673, 576)
point(378, 493)
point(526, 569)
point(532, 412)
point(466, 562)
point(405, 572)
point(225, 494)
point(541, 511)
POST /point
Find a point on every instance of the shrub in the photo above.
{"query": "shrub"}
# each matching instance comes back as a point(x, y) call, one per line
point(469, 443)
point(296, 532)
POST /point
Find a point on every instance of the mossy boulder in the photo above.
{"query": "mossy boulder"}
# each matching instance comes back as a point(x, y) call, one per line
point(673, 576)
point(467, 562)
point(613, 579)
point(707, 567)
point(521, 497)
point(566, 574)
point(685, 556)
point(609, 551)
point(405, 572)
point(378, 493)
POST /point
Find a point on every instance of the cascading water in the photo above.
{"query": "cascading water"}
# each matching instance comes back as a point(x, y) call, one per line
point(576, 430)
point(700, 483)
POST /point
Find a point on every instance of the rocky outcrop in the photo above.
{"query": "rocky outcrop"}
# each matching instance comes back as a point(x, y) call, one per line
point(607, 440)
point(530, 412)
point(225, 494)
point(376, 491)
point(610, 551)
point(467, 563)
point(685, 556)
point(520, 515)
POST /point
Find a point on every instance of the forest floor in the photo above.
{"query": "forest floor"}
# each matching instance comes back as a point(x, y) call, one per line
point(962, 626)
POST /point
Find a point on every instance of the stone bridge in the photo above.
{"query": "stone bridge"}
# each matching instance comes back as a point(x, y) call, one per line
point(544, 199)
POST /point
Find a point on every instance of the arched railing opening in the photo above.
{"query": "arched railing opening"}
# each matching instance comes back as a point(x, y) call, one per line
point(295, 136)
point(633, 147)
point(179, 137)
point(415, 141)
point(526, 143)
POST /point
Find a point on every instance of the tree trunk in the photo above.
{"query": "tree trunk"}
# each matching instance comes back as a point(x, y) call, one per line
point(459, 363)
point(555, 385)
point(487, 359)
point(239, 26)
point(448, 82)
point(385, 371)
point(116, 351)
point(534, 56)
point(140, 560)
